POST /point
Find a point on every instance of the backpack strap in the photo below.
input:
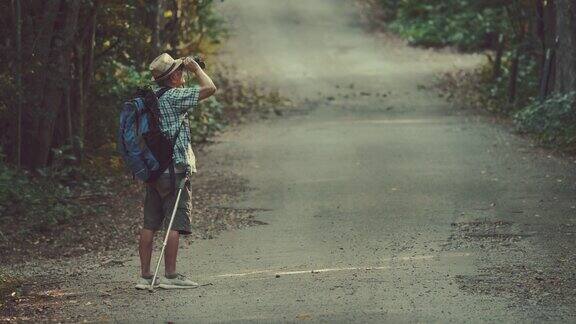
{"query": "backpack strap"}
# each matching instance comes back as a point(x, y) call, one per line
point(137, 122)
point(178, 131)
point(171, 168)
point(162, 91)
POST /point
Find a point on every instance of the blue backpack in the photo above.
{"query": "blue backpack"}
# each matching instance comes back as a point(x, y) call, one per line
point(146, 150)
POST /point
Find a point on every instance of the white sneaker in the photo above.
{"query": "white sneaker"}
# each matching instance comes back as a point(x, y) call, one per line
point(144, 283)
point(180, 282)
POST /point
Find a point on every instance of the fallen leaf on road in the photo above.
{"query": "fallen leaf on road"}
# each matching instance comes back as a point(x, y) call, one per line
point(112, 262)
point(304, 317)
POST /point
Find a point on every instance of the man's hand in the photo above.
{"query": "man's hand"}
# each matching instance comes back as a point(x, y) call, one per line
point(207, 87)
point(191, 65)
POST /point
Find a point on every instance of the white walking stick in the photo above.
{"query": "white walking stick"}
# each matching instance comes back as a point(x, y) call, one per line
point(180, 187)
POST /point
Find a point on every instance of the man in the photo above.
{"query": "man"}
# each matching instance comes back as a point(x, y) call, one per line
point(175, 103)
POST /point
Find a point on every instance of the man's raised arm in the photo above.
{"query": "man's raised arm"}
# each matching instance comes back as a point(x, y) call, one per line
point(207, 87)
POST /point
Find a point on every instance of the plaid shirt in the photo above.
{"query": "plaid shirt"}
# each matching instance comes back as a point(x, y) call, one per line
point(174, 104)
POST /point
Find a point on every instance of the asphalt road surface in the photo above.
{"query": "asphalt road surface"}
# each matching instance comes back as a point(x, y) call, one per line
point(382, 202)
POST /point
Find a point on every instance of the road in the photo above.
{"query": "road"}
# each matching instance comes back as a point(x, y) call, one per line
point(382, 202)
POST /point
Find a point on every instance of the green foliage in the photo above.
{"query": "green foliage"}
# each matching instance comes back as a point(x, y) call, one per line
point(466, 24)
point(200, 27)
point(37, 202)
point(497, 90)
point(114, 84)
point(123, 32)
point(390, 8)
point(206, 120)
point(109, 61)
point(552, 121)
point(475, 25)
point(125, 36)
point(41, 204)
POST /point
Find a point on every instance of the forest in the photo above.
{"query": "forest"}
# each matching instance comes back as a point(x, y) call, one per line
point(66, 69)
point(67, 65)
point(530, 74)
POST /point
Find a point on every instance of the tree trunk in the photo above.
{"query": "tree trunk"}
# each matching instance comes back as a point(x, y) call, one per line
point(55, 87)
point(18, 18)
point(78, 140)
point(40, 50)
point(497, 68)
point(68, 109)
point(84, 74)
point(565, 79)
point(513, 81)
point(156, 12)
point(89, 46)
point(547, 34)
point(173, 28)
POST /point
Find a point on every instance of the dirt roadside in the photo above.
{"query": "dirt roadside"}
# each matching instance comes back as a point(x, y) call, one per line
point(108, 239)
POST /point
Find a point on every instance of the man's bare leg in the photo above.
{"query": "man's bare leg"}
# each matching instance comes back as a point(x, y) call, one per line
point(145, 250)
point(171, 253)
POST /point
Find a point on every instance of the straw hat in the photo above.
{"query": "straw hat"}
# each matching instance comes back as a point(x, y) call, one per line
point(163, 65)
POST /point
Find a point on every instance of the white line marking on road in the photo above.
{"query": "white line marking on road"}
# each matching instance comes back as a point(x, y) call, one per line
point(244, 273)
point(282, 273)
point(399, 121)
point(321, 180)
point(389, 121)
point(366, 268)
